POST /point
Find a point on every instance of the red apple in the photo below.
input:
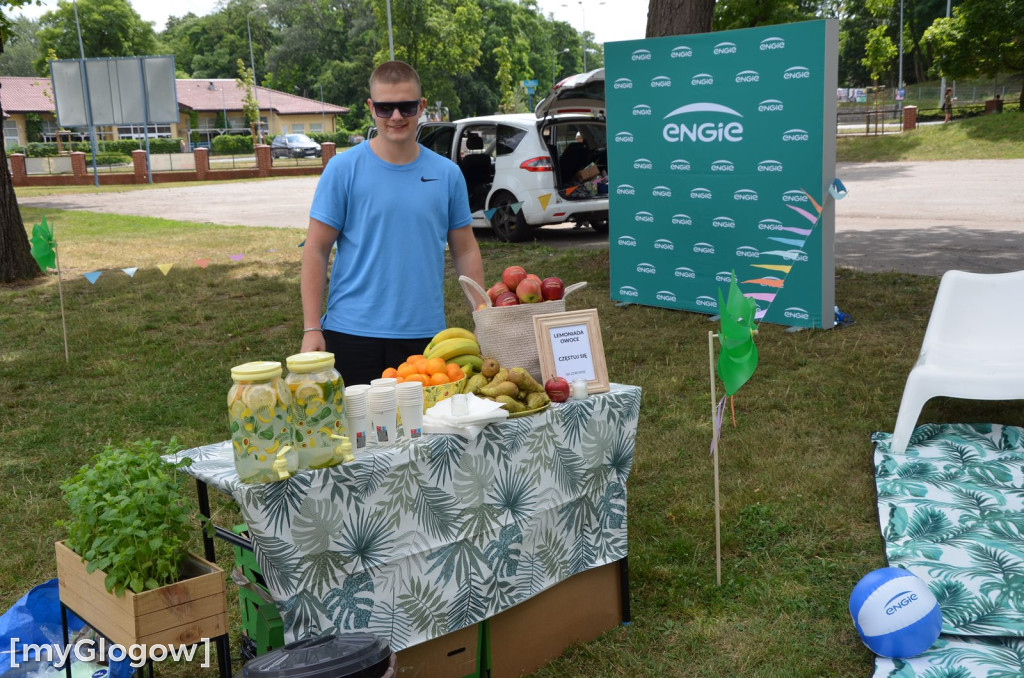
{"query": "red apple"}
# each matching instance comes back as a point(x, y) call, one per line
point(507, 299)
point(532, 276)
point(557, 389)
point(528, 291)
point(496, 290)
point(512, 276)
point(552, 289)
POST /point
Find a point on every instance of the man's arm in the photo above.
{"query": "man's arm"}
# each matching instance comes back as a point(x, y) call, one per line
point(466, 254)
point(313, 279)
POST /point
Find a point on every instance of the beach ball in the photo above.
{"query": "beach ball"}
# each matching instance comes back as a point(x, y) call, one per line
point(895, 613)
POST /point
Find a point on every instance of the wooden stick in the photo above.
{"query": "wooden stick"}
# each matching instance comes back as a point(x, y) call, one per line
point(732, 407)
point(60, 291)
point(714, 454)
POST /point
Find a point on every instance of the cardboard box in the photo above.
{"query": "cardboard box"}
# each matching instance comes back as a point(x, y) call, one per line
point(588, 172)
point(528, 636)
point(455, 655)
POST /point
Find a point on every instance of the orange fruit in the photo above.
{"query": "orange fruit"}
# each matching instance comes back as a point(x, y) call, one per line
point(399, 380)
point(455, 372)
point(413, 358)
point(437, 366)
point(389, 373)
point(405, 369)
point(421, 366)
point(422, 378)
point(439, 378)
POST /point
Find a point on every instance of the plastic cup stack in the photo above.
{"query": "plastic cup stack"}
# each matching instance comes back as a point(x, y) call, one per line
point(383, 404)
point(410, 402)
point(357, 411)
point(384, 381)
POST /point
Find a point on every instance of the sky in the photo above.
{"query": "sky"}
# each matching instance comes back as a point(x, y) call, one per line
point(608, 20)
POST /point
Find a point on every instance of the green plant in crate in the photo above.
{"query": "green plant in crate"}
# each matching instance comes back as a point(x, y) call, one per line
point(128, 516)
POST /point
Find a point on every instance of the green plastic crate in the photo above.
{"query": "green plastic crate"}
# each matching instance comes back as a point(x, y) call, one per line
point(262, 628)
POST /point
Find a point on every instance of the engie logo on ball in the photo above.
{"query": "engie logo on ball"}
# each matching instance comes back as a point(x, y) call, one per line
point(895, 612)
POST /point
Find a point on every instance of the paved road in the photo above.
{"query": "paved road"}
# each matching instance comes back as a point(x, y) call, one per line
point(913, 217)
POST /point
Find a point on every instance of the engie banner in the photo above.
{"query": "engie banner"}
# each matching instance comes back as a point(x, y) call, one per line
point(721, 152)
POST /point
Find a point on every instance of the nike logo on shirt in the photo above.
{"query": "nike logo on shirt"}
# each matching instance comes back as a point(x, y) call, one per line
point(424, 179)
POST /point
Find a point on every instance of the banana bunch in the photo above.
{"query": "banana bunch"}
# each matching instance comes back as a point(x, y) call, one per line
point(456, 345)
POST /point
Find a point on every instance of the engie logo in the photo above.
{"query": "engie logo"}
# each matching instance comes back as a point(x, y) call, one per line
point(625, 189)
point(661, 81)
point(641, 55)
point(679, 165)
point(628, 291)
point(748, 76)
point(725, 48)
point(769, 225)
point(646, 268)
point(684, 272)
point(745, 194)
point(771, 44)
point(747, 252)
point(681, 52)
point(643, 164)
point(722, 166)
point(769, 166)
point(723, 276)
point(623, 83)
point(794, 196)
point(704, 301)
point(703, 248)
point(662, 192)
point(795, 135)
point(624, 137)
point(798, 313)
point(796, 73)
point(769, 106)
point(644, 217)
point(627, 241)
point(665, 295)
point(904, 598)
point(702, 79)
point(700, 193)
point(790, 255)
point(723, 222)
point(664, 244)
point(641, 109)
point(682, 220)
point(708, 129)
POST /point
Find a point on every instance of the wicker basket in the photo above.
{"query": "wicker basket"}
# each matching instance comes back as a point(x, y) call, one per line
point(506, 332)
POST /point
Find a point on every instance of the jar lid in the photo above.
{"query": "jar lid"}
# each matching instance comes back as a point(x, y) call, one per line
point(312, 361)
point(351, 655)
point(260, 370)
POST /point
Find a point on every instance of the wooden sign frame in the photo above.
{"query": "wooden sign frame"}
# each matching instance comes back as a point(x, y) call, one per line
point(583, 329)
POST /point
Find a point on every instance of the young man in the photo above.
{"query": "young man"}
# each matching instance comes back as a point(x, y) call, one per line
point(390, 205)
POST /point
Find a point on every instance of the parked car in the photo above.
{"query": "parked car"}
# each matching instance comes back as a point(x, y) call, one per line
point(533, 169)
point(294, 146)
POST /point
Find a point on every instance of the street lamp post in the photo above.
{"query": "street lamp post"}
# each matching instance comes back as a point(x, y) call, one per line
point(252, 60)
point(554, 69)
point(942, 87)
point(88, 103)
point(583, 29)
point(899, 79)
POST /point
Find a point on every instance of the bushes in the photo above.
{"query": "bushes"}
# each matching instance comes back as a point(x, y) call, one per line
point(231, 144)
point(109, 159)
point(38, 149)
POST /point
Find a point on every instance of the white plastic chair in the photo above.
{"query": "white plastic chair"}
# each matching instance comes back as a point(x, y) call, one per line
point(973, 347)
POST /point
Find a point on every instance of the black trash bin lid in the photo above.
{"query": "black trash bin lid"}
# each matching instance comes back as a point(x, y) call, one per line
point(350, 655)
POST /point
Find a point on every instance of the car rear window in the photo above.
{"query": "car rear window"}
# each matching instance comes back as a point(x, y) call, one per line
point(509, 138)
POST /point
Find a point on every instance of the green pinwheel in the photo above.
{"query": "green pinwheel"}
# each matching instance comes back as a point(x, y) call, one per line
point(738, 357)
point(44, 246)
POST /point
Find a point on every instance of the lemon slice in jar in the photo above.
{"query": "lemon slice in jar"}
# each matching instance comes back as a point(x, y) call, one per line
point(307, 392)
point(259, 396)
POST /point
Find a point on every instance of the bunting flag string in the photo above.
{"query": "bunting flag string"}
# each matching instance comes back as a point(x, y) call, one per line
point(92, 276)
point(203, 263)
point(165, 268)
point(130, 271)
point(544, 200)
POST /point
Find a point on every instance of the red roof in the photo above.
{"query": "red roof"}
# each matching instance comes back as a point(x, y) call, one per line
point(26, 95)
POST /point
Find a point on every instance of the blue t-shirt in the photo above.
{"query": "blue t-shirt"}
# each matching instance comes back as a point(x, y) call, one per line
point(387, 279)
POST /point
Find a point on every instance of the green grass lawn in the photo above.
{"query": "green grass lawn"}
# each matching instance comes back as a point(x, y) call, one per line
point(150, 357)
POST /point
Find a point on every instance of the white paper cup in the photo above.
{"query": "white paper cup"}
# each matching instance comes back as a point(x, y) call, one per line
point(410, 405)
point(357, 429)
point(384, 381)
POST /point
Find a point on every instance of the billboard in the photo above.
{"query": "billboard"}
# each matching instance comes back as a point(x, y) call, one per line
point(122, 91)
point(721, 148)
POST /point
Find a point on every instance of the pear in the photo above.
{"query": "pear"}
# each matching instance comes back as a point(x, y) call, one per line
point(521, 378)
point(504, 388)
point(510, 404)
point(535, 400)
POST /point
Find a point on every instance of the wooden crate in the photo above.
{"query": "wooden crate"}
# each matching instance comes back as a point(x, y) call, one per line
point(182, 613)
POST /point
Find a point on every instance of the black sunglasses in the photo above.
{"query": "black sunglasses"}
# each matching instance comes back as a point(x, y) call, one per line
point(407, 109)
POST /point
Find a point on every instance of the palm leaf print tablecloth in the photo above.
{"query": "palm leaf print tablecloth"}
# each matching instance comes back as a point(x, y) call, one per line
point(417, 540)
point(951, 510)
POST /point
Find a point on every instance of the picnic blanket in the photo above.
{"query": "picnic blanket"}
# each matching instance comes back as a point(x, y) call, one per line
point(951, 511)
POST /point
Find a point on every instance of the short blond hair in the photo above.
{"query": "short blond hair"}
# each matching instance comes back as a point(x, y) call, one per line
point(393, 73)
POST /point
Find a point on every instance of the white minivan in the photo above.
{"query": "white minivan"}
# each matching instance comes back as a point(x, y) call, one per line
point(532, 169)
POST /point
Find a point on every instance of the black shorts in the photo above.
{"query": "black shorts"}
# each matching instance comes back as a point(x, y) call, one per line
point(360, 359)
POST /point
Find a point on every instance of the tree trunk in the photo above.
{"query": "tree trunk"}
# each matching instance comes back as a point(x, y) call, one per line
point(16, 262)
point(679, 17)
